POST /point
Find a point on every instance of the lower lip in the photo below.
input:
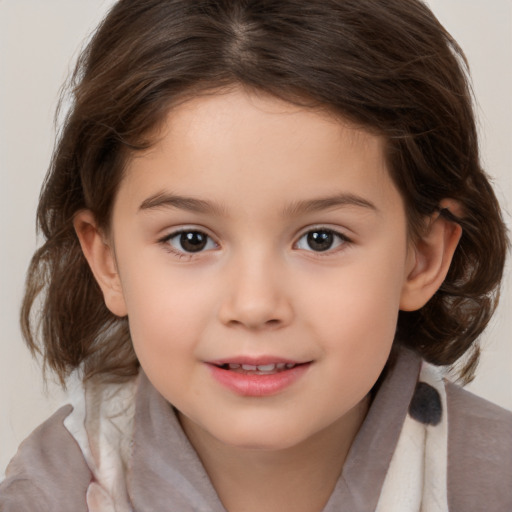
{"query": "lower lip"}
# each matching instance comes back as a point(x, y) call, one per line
point(258, 385)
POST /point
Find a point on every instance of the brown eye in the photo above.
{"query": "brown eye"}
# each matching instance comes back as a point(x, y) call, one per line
point(321, 240)
point(190, 241)
point(193, 241)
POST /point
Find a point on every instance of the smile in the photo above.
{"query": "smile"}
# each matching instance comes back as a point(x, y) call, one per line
point(257, 379)
point(261, 369)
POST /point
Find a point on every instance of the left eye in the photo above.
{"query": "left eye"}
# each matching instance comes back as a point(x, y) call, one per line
point(320, 240)
point(191, 241)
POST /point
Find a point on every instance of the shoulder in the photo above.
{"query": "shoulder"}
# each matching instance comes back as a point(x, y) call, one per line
point(48, 469)
point(479, 452)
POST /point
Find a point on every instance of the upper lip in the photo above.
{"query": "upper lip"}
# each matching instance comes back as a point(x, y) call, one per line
point(255, 360)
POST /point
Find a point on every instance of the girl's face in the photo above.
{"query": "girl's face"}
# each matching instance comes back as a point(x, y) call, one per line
point(262, 256)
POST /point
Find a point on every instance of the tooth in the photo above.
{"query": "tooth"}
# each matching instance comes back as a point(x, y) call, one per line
point(249, 367)
point(233, 366)
point(266, 367)
point(280, 366)
point(290, 365)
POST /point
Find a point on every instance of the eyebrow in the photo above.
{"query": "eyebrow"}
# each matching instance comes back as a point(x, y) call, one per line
point(168, 200)
point(326, 203)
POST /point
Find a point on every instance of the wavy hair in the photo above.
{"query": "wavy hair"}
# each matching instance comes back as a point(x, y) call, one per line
point(389, 67)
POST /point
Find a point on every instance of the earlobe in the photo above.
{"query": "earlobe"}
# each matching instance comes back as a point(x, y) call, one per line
point(430, 259)
point(100, 256)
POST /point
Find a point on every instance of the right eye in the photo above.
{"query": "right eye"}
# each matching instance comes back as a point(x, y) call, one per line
point(190, 241)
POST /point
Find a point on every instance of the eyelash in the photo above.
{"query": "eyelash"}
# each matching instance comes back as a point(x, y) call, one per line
point(167, 242)
point(342, 240)
point(326, 234)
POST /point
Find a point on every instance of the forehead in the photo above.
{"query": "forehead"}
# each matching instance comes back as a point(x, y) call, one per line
point(239, 146)
point(247, 113)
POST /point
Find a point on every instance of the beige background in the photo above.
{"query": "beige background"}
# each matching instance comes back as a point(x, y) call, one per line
point(38, 42)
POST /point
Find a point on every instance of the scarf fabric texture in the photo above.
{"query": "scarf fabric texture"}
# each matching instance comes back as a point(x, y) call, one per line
point(102, 424)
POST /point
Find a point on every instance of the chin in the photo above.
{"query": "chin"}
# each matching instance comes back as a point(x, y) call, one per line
point(262, 437)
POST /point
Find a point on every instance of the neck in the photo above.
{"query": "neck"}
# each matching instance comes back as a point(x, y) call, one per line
point(300, 478)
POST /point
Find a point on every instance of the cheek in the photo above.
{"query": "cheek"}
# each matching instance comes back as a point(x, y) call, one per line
point(355, 314)
point(363, 296)
point(166, 314)
point(357, 330)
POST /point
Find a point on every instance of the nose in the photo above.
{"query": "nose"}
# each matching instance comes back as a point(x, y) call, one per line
point(256, 295)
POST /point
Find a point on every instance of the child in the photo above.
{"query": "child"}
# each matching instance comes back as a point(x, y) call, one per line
point(266, 225)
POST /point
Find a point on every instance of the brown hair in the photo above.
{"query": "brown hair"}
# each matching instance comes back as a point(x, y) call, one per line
point(389, 67)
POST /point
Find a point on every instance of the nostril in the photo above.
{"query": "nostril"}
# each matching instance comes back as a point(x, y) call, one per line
point(272, 323)
point(253, 309)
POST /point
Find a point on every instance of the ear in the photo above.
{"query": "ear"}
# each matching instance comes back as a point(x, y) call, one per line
point(100, 256)
point(430, 258)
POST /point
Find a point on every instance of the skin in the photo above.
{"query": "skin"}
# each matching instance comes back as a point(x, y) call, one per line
point(258, 167)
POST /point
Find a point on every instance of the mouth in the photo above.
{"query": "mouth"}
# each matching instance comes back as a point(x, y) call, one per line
point(258, 369)
point(251, 377)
